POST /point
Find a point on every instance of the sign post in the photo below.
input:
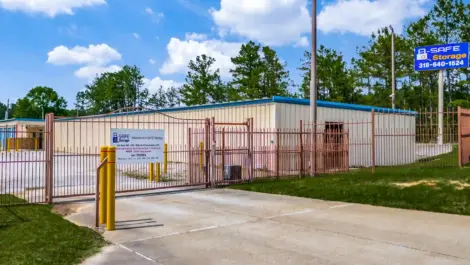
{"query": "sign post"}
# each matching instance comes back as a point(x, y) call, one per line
point(441, 57)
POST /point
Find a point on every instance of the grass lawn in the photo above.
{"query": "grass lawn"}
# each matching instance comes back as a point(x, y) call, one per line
point(33, 234)
point(419, 186)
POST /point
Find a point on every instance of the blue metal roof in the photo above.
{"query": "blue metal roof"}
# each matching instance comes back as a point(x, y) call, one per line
point(22, 119)
point(275, 99)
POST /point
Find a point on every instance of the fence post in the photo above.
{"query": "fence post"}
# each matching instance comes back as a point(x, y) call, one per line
point(9, 144)
point(165, 159)
point(190, 170)
point(373, 141)
point(201, 155)
point(301, 151)
point(103, 185)
point(111, 192)
point(223, 150)
point(251, 149)
point(277, 152)
point(207, 144)
point(49, 157)
point(459, 124)
point(213, 158)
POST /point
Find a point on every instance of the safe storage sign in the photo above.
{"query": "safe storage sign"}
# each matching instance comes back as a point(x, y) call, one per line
point(438, 57)
point(137, 146)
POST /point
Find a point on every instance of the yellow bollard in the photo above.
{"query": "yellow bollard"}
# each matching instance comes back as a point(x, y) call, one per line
point(17, 141)
point(111, 192)
point(201, 148)
point(151, 172)
point(103, 185)
point(36, 144)
point(8, 144)
point(165, 158)
point(157, 170)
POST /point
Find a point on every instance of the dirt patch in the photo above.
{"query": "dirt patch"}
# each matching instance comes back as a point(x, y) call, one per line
point(459, 185)
point(67, 209)
point(432, 183)
point(429, 183)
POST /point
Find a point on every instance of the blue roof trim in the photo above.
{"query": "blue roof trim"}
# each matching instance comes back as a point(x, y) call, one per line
point(275, 99)
point(338, 105)
point(22, 119)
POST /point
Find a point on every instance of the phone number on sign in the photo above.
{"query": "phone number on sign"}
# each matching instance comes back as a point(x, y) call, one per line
point(442, 64)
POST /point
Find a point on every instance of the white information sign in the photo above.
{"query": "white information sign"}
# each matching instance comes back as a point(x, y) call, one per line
point(138, 146)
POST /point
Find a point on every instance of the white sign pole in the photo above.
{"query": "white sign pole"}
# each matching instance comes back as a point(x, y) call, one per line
point(441, 108)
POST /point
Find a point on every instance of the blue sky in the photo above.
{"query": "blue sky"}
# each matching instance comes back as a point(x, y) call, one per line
point(64, 44)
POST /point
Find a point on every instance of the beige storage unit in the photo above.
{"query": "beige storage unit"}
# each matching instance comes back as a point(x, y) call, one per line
point(27, 133)
point(394, 129)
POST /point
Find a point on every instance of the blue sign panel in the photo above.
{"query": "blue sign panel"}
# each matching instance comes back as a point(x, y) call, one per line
point(438, 57)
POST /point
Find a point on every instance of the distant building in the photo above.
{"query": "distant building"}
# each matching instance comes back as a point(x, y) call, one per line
point(21, 133)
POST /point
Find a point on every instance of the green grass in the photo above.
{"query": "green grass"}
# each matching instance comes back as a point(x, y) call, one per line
point(439, 194)
point(33, 234)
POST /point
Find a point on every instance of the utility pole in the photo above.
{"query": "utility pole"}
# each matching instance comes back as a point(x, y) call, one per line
point(313, 90)
point(393, 68)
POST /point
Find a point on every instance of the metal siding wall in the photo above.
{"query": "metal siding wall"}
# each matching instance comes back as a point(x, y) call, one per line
point(89, 134)
point(395, 139)
point(389, 150)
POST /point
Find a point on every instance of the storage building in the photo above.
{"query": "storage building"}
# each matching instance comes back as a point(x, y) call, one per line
point(344, 126)
point(21, 133)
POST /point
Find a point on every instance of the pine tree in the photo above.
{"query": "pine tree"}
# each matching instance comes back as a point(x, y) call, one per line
point(203, 85)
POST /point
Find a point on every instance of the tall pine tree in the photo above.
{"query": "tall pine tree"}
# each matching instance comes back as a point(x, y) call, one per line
point(203, 85)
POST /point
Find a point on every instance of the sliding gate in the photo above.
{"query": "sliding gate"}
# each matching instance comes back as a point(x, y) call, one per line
point(77, 142)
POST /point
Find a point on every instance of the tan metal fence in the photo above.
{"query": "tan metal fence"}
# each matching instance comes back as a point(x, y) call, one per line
point(203, 152)
point(22, 169)
point(464, 136)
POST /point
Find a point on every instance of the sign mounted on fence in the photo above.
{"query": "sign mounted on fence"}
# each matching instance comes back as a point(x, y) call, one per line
point(138, 146)
point(438, 57)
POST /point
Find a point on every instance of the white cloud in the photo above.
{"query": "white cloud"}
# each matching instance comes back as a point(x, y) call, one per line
point(272, 22)
point(94, 58)
point(49, 7)
point(152, 61)
point(136, 35)
point(366, 16)
point(156, 17)
point(148, 10)
point(100, 54)
point(154, 84)
point(181, 52)
point(302, 42)
point(195, 36)
point(92, 71)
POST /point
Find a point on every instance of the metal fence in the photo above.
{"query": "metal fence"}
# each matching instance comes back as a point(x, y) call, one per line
point(22, 168)
point(200, 152)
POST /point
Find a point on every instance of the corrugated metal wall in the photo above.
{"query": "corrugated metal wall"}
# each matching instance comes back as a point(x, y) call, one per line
point(395, 141)
point(394, 145)
point(89, 133)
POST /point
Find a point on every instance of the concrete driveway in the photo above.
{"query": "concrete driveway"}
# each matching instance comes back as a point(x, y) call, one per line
point(222, 227)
